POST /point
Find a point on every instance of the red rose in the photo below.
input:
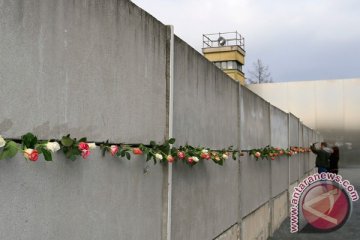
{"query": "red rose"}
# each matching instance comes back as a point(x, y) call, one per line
point(83, 146)
point(205, 156)
point(190, 160)
point(31, 154)
point(137, 151)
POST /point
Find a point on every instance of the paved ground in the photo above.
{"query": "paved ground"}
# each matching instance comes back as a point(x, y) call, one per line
point(351, 229)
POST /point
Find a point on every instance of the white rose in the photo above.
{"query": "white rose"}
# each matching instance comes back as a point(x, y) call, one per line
point(205, 151)
point(53, 146)
point(92, 145)
point(2, 141)
point(195, 159)
point(225, 156)
point(158, 156)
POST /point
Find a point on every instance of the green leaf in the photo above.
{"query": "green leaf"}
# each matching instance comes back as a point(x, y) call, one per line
point(82, 139)
point(47, 154)
point(29, 140)
point(122, 153)
point(152, 143)
point(67, 141)
point(172, 140)
point(103, 148)
point(128, 156)
point(9, 151)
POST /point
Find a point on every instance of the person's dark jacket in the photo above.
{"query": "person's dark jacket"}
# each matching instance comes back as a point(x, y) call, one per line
point(322, 157)
point(334, 159)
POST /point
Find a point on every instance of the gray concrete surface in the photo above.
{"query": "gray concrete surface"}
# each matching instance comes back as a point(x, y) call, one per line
point(205, 198)
point(301, 156)
point(82, 67)
point(279, 138)
point(205, 101)
point(96, 198)
point(306, 133)
point(255, 133)
point(351, 229)
point(312, 157)
point(294, 141)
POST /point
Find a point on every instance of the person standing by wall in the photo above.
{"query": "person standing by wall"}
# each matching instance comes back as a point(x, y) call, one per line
point(334, 160)
point(322, 157)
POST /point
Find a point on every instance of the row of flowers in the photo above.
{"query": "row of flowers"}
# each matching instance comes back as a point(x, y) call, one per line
point(32, 148)
point(272, 153)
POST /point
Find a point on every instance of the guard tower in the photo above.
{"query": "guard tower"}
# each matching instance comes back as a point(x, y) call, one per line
point(226, 51)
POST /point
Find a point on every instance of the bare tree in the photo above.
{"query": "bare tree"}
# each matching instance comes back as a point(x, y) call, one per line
point(259, 74)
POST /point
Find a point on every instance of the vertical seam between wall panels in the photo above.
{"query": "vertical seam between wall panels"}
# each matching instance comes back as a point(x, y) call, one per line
point(171, 126)
point(288, 158)
point(239, 165)
point(271, 204)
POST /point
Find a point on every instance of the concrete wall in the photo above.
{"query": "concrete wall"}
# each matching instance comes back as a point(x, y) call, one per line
point(82, 67)
point(256, 225)
point(312, 156)
point(301, 156)
point(306, 143)
point(96, 198)
point(279, 138)
point(255, 133)
point(233, 233)
point(294, 141)
point(204, 97)
point(205, 198)
point(280, 210)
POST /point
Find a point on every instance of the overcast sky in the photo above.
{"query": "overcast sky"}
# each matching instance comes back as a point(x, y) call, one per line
point(298, 40)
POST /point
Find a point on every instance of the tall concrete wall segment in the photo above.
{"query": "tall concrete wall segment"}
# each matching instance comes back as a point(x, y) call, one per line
point(97, 198)
point(301, 156)
point(312, 156)
point(294, 141)
point(205, 98)
point(255, 133)
point(306, 137)
point(82, 67)
point(279, 138)
point(205, 198)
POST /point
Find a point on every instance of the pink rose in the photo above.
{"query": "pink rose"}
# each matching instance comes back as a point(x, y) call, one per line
point(170, 159)
point(85, 153)
point(190, 160)
point(257, 154)
point(181, 155)
point(114, 149)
